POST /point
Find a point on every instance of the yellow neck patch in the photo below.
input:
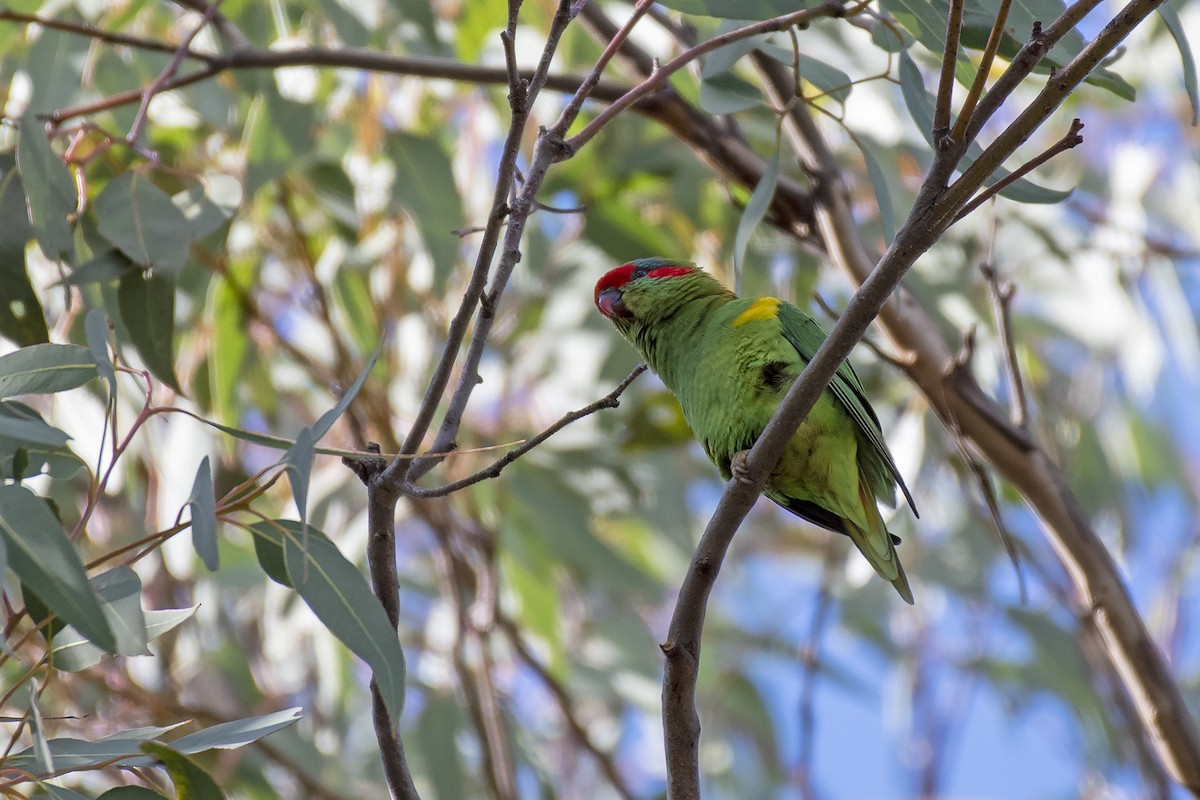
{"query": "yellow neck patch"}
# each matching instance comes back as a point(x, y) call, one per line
point(760, 309)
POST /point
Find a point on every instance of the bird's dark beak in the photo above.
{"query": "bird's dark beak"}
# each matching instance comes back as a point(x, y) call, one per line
point(610, 303)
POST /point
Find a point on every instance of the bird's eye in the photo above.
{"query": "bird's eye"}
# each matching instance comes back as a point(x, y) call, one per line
point(640, 272)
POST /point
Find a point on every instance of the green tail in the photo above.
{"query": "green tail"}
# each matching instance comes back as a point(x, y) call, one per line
point(876, 546)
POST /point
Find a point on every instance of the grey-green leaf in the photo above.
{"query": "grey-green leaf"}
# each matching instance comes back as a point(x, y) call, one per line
point(95, 327)
point(298, 463)
point(425, 187)
point(726, 93)
point(920, 108)
point(21, 315)
point(326, 420)
point(44, 368)
point(338, 594)
point(191, 782)
point(203, 503)
point(147, 304)
point(1170, 18)
point(46, 561)
point(230, 735)
point(142, 221)
point(131, 793)
point(49, 190)
point(756, 209)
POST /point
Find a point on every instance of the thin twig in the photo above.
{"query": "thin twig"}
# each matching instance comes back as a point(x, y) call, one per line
point(981, 74)
point(945, 89)
point(1070, 140)
point(610, 400)
point(521, 97)
point(1001, 296)
point(90, 31)
point(656, 80)
point(168, 72)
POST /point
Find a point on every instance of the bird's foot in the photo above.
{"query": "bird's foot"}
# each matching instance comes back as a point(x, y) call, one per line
point(738, 468)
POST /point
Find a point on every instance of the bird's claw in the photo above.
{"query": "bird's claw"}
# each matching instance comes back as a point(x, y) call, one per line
point(738, 469)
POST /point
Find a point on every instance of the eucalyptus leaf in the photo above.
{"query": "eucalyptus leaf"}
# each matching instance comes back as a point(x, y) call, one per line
point(238, 733)
point(203, 503)
point(338, 594)
point(141, 221)
point(49, 189)
point(44, 558)
point(147, 304)
point(45, 368)
point(191, 782)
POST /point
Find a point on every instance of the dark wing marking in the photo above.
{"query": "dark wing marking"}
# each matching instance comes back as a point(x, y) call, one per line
point(803, 332)
point(817, 515)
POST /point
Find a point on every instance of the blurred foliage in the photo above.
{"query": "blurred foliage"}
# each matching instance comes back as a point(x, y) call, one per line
point(241, 261)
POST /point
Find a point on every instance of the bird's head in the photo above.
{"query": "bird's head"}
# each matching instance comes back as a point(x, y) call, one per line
point(651, 288)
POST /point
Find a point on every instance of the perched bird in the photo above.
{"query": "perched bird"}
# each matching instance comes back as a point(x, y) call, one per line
point(730, 361)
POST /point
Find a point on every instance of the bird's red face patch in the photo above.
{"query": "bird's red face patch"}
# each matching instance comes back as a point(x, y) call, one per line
point(669, 272)
point(608, 289)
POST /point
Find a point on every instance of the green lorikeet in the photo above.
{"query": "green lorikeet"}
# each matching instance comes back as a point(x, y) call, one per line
point(729, 361)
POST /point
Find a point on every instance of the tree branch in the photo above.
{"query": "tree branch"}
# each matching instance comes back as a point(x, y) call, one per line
point(1069, 140)
point(945, 89)
point(381, 560)
point(610, 400)
point(1099, 590)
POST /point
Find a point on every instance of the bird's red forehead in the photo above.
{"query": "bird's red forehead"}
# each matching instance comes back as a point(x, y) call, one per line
point(619, 276)
point(614, 278)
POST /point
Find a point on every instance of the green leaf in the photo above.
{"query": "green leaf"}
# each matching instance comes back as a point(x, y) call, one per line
point(28, 445)
point(74, 754)
point(120, 594)
point(920, 108)
point(204, 216)
point(95, 326)
point(326, 420)
point(107, 266)
point(31, 432)
point(131, 793)
point(191, 782)
point(42, 759)
point(756, 209)
point(268, 548)
point(45, 560)
point(726, 93)
point(829, 80)
point(45, 368)
point(231, 735)
point(49, 188)
point(425, 188)
point(277, 132)
point(55, 67)
point(203, 503)
point(297, 462)
point(338, 594)
point(142, 221)
point(1170, 18)
point(62, 793)
point(73, 653)
point(230, 349)
point(879, 182)
point(147, 305)
point(21, 317)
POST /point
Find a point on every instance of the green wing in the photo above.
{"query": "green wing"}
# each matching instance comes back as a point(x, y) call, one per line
point(803, 332)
